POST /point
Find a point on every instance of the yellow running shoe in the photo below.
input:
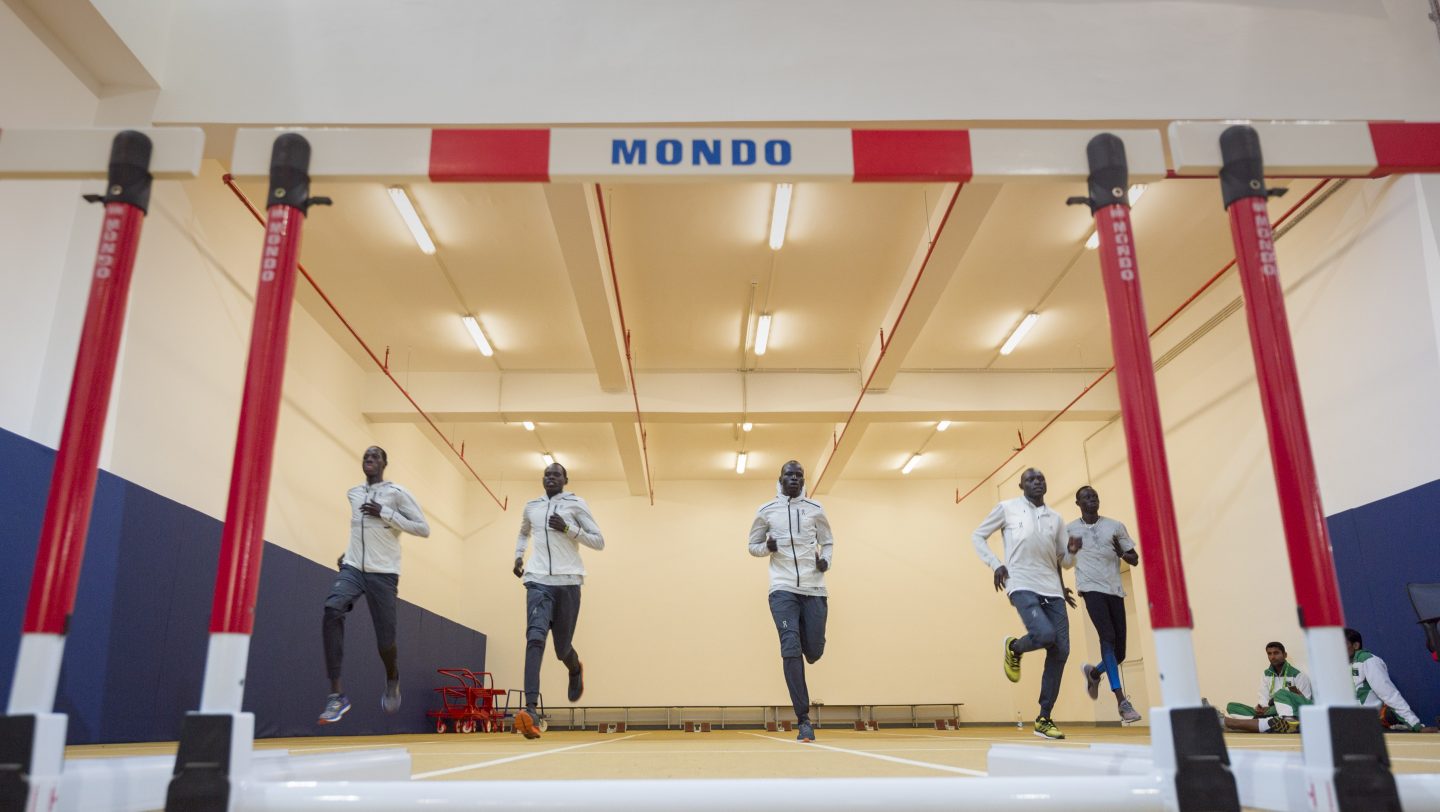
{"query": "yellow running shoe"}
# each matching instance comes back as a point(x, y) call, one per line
point(1011, 662)
point(1046, 729)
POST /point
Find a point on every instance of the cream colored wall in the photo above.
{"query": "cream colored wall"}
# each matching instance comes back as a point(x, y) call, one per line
point(675, 610)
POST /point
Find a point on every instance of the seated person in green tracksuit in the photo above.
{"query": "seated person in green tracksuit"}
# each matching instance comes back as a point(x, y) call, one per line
point(1283, 689)
point(1373, 688)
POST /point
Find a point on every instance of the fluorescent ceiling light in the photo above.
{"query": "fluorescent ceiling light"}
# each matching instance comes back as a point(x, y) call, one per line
point(910, 464)
point(746, 426)
point(780, 215)
point(1016, 337)
point(762, 334)
point(411, 218)
point(528, 425)
point(740, 462)
point(1136, 191)
point(942, 425)
point(480, 341)
point(549, 460)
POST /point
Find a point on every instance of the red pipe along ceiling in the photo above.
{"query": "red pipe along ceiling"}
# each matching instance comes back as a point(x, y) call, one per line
point(625, 332)
point(504, 504)
point(1024, 444)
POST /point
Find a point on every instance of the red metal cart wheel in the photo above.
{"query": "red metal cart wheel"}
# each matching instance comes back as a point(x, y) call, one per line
point(439, 725)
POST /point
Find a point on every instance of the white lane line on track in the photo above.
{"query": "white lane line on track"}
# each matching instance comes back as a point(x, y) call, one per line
point(483, 764)
point(942, 767)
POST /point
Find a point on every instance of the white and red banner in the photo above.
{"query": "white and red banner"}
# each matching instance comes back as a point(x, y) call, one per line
point(700, 154)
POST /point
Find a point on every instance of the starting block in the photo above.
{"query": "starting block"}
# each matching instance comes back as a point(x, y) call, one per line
point(697, 727)
point(867, 724)
point(776, 727)
point(610, 727)
point(947, 724)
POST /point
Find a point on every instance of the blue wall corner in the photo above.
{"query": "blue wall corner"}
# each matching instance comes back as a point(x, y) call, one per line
point(135, 651)
point(1379, 548)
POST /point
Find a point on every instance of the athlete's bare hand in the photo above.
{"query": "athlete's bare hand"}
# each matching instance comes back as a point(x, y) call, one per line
point(1001, 576)
point(1070, 598)
point(557, 523)
point(371, 509)
point(519, 568)
point(770, 544)
point(1075, 544)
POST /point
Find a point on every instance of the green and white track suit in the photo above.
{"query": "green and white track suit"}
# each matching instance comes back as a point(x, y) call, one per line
point(1281, 689)
point(1373, 687)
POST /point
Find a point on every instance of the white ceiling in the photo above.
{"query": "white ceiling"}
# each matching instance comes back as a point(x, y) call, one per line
point(688, 258)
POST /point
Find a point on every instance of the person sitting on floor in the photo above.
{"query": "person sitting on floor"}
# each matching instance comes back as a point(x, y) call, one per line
point(1283, 690)
point(1373, 688)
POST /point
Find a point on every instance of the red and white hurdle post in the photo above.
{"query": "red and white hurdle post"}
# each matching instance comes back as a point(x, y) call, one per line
point(32, 735)
point(216, 742)
point(1346, 763)
point(1188, 746)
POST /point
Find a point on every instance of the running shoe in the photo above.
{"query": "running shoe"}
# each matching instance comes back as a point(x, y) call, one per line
point(1046, 729)
point(806, 734)
point(526, 726)
point(1092, 681)
point(336, 706)
point(1128, 714)
point(390, 700)
point(1011, 662)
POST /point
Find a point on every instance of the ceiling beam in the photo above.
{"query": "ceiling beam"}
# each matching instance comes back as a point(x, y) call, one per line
point(575, 214)
point(954, 220)
point(717, 397)
point(931, 267)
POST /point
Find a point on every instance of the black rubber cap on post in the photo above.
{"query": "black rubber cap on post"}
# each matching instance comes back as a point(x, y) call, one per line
point(289, 171)
point(1242, 170)
point(129, 178)
point(1109, 172)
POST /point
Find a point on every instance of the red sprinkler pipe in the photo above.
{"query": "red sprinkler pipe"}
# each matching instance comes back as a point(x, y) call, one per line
point(1161, 326)
point(625, 331)
point(384, 367)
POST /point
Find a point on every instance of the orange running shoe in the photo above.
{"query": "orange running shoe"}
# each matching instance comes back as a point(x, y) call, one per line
point(525, 724)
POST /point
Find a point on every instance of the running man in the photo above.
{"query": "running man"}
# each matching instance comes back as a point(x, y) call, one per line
point(560, 523)
point(380, 511)
point(1035, 549)
point(795, 533)
point(1097, 579)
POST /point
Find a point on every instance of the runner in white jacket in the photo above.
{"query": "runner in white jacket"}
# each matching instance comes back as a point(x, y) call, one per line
point(795, 533)
point(380, 511)
point(560, 522)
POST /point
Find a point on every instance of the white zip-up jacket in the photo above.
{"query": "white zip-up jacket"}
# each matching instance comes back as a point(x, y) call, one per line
point(556, 559)
point(1373, 686)
point(802, 537)
point(1036, 546)
point(375, 541)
